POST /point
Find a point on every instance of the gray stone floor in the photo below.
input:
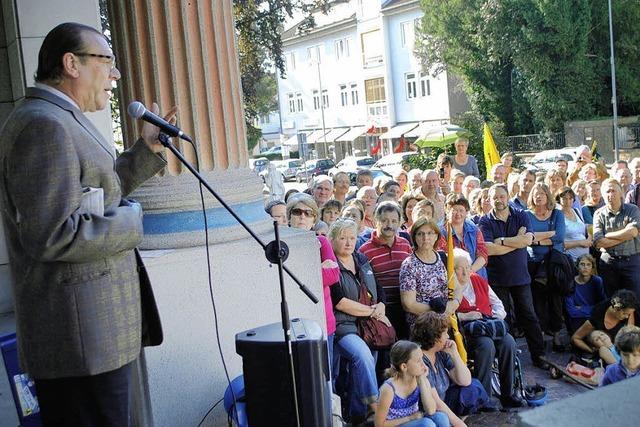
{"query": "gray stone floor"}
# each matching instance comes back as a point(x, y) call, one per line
point(556, 389)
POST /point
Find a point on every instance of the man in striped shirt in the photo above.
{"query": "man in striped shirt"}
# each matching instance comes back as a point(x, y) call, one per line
point(386, 251)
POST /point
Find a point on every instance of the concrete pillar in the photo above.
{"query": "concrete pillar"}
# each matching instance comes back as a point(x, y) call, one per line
point(184, 53)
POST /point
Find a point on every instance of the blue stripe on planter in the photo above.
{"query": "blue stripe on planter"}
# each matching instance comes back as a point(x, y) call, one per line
point(187, 221)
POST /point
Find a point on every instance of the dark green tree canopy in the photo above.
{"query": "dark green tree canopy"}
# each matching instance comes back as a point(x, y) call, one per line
point(534, 64)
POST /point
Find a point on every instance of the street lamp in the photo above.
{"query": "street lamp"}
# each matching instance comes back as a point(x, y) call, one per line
point(613, 88)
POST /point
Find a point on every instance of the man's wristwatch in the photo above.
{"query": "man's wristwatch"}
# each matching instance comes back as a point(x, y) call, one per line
point(502, 241)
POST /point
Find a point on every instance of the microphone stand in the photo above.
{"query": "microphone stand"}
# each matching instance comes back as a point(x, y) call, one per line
point(275, 251)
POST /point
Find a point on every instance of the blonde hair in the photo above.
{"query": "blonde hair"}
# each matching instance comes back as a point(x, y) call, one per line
point(551, 202)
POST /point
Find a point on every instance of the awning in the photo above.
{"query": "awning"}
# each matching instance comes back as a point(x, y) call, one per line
point(293, 140)
point(398, 130)
point(317, 136)
point(334, 134)
point(422, 129)
point(353, 133)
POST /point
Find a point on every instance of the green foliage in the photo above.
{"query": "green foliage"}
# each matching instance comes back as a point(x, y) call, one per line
point(531, 65)
point(258, 27)
point(473, 122)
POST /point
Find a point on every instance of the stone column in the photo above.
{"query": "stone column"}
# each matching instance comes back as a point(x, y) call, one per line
point(183, 53)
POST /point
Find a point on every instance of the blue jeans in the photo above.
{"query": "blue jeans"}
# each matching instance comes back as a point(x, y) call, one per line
point(362, 368)
point(439, 419)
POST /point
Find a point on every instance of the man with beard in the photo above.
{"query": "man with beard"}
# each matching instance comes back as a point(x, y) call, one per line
point(507, 233)
point(386, 251)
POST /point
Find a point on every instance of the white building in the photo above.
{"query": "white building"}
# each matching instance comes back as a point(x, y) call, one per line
point(354, 80)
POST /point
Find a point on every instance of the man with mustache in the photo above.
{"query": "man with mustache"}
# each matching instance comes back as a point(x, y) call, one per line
point(386, 251)
point(507, 233)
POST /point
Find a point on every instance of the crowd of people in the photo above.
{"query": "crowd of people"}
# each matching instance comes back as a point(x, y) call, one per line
point(384, 259)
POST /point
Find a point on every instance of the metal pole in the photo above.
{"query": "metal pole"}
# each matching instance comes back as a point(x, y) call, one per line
point(613, 88)
point(324, 131)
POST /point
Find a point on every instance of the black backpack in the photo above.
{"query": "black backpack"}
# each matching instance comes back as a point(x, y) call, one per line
point(560, 269)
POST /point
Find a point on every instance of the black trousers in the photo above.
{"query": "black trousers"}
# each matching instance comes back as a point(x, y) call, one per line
point(97, 400)
point(548, 306)
point(484, 351)
point(620, 273)
point(527, 319)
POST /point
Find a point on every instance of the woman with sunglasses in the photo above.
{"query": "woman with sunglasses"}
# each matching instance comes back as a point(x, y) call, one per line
point(302, 213)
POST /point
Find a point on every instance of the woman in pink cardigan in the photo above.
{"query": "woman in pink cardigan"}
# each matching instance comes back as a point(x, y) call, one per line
point(302, 213)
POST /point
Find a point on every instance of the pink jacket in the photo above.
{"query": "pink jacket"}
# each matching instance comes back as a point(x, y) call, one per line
point(330, 276)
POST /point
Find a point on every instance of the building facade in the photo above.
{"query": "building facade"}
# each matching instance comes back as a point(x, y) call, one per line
point(353, 80)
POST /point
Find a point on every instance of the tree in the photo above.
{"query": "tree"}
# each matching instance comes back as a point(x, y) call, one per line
point(533, 64)
point(258, 25)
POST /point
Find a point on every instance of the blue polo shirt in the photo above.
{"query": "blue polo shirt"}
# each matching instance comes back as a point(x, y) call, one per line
point(509, 269)
point(516, 203)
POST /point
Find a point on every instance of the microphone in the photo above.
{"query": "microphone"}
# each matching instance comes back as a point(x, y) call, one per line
point(137, 110)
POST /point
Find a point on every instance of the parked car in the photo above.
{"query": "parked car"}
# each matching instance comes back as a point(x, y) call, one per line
point(288, 167)
point(259, 164)
point(352, 165)
point(546, 160)
point(314, 168)
point(273, 153)
point(393, 162)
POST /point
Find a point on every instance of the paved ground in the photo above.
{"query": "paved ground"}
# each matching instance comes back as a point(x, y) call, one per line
point(556, 389)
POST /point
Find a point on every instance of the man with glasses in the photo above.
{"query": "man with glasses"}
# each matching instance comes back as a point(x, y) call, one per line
point(81, 304)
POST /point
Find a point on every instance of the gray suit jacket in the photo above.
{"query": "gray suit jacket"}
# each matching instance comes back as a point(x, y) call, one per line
point(76, 284)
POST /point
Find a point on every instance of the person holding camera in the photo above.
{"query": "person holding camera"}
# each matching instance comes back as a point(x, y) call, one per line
point(583, 153)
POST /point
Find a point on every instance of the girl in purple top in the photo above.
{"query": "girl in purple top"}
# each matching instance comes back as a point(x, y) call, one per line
point(408, 384)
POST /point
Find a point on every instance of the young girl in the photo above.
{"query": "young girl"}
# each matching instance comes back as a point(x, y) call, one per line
point(408, 383)
point(589, 291)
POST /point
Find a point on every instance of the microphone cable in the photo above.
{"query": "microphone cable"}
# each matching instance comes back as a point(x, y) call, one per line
point(166, 137)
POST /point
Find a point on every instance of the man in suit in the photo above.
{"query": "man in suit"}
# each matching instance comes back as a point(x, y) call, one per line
point(77, 282)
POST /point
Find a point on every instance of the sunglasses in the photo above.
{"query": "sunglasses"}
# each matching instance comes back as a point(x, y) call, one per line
point(299, 212)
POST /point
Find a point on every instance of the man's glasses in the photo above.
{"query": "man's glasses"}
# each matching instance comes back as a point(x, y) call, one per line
point(299, 212)
point(111, 58)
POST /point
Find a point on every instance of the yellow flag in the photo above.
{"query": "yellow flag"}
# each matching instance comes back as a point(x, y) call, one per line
point(491, 155)
point(457, 336)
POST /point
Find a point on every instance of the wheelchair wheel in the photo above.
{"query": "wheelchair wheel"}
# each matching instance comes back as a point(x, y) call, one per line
point(495, 379)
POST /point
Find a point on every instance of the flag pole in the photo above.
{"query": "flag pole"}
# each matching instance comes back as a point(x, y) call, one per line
point(451, 284)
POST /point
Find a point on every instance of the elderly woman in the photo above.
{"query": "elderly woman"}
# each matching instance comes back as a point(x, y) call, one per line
point(354, 210)
point(302, 212)
point(549, 232)
point(465, 162)
point(457, 392)
point(423, 275)
point(355, 272)
point(480, 302)
point(341, 184)
point(322, 189)
point(469, 184)
point(414, 177)
point(393, 188)
point(466, 235)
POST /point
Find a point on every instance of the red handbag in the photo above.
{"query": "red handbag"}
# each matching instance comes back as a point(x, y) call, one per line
point(374, 332)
